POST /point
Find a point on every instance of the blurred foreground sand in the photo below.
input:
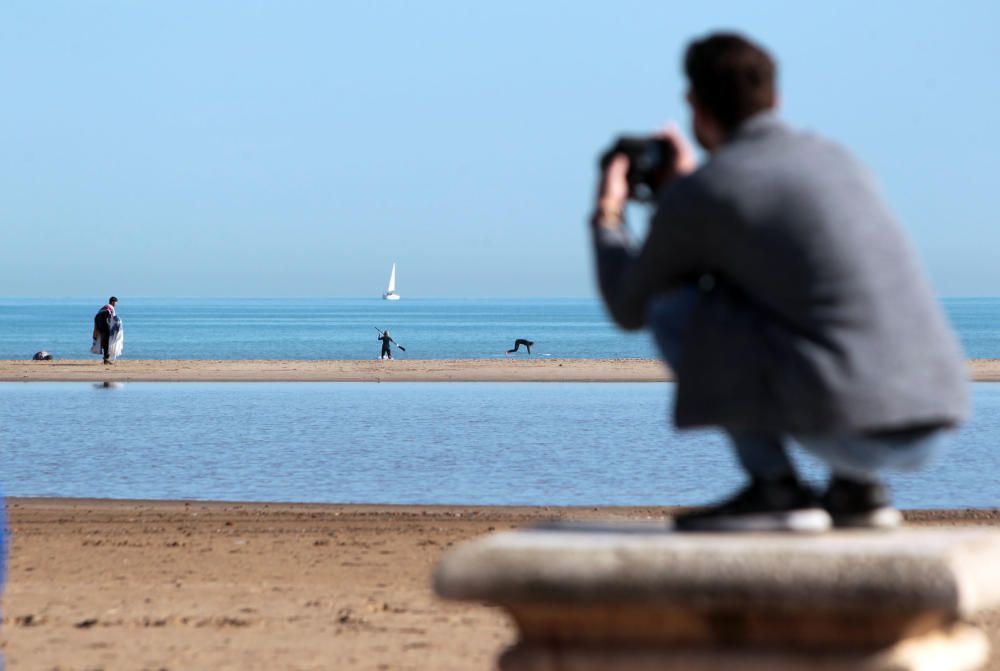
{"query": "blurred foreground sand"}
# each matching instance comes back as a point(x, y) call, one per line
point(98, 584)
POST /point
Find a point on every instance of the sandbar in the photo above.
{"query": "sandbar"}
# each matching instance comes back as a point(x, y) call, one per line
point(100, 584)
point(398, 370)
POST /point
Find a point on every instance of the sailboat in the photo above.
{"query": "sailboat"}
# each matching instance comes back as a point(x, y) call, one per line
point(390, 293)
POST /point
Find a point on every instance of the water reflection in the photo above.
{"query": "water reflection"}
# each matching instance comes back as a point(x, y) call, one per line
point(109, 385)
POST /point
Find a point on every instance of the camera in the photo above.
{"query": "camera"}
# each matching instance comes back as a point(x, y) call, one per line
point(650, 160)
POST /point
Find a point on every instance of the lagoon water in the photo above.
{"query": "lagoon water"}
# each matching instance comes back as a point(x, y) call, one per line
point(345, 328)
point(462, 443)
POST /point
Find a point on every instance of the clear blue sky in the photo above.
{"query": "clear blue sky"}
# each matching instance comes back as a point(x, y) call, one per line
point(299, 148)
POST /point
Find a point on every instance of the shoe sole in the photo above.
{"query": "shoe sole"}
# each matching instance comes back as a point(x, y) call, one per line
point(808, 520)
point(880, 518)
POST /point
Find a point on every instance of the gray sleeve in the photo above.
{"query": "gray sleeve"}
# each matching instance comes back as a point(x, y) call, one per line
point(628, 276)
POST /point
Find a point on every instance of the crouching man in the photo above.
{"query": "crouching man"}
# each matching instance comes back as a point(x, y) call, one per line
point(785, 297)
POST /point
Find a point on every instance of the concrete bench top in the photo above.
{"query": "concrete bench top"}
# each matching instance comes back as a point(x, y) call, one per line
point(949, 571)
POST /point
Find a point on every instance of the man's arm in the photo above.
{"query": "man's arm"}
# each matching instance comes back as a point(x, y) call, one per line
point(617, 262)
point(629, 277)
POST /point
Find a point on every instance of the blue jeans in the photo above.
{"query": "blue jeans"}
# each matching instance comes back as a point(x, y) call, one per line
point(858, 457)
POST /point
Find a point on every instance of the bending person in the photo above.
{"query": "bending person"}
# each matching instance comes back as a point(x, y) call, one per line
point(103, 322)
point(519, 342)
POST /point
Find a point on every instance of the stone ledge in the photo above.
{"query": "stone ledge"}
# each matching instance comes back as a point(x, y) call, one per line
point(959, 648)
point(608, 597)
point(950, 573)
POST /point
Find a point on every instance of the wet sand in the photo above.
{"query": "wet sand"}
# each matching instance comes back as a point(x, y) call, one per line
point(399, 370)
point(98, 584)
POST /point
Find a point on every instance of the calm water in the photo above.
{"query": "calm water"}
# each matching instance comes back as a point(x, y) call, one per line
point(345, 328)
point(474, 443)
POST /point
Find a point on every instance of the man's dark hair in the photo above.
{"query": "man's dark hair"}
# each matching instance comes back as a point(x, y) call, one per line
point(731, 77)
point(113, 300)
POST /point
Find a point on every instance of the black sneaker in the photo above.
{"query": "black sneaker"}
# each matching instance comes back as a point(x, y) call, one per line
point(764, 505)
point(860, 505)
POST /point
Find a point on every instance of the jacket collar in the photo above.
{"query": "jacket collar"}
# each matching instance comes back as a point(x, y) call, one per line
point(759, 124)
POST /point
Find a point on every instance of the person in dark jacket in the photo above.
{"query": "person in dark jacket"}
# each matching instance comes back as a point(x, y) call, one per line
point(386, 352)
point(786, 299)
point(102, 327)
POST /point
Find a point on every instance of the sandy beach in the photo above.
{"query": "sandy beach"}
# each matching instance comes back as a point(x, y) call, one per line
point(399, 370)
point(98, 584)
point(101, 584)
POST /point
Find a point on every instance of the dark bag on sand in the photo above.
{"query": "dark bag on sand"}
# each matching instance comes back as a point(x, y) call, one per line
point(42, 356)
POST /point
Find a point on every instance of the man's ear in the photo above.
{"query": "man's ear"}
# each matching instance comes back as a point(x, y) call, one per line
point(696, 106)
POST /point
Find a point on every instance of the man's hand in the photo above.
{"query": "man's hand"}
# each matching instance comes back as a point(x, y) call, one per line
point(612, 193)
point(612, 189)
point(684, 160)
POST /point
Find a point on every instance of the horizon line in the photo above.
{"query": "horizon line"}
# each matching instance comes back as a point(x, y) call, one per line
point(351, 298)
point(379, 298)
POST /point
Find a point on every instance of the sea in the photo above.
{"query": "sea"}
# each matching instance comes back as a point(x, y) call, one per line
point(278, 328)
point(406, 443)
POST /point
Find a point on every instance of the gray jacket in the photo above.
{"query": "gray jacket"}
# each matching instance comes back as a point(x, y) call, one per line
point(819, 318)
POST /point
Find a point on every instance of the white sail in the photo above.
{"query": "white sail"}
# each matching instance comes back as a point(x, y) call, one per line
point(390, 293)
